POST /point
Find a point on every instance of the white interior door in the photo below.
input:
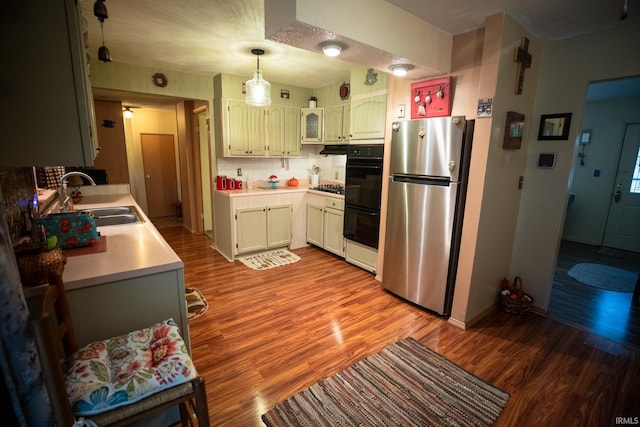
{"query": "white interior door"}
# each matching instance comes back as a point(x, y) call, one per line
point(623, 223)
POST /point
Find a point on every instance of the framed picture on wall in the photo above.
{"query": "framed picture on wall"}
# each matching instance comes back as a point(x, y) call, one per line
point(554, 126)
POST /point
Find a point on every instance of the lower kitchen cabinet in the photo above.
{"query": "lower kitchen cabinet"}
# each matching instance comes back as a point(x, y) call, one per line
point(262, 228)
point(114, 308)
point(325, 217)
point(362, 256)
point(246, 221)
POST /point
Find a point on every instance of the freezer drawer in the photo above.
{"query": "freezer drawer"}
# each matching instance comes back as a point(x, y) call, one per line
point(420, 224)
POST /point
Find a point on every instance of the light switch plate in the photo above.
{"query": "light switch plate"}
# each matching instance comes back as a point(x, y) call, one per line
point(400, 111)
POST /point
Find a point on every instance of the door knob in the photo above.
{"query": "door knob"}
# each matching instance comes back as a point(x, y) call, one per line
point(148, 176)
point(618, 194)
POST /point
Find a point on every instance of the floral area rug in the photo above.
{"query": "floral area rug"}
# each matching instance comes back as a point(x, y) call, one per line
point(197, 305)
point(265, 260)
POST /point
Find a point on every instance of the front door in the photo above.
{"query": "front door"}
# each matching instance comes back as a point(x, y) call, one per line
point(623, 223)
point(161, 184)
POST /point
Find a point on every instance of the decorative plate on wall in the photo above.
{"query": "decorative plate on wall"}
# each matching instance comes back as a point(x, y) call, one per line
point(159, 79)
point(345, 88)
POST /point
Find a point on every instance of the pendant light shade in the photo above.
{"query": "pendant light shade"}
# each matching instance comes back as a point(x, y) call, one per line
point(258, 89)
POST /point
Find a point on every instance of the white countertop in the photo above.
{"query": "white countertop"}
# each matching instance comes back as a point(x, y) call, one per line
point(257, 191)
point(133, 250)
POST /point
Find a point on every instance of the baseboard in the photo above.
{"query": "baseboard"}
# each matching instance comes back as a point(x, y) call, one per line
point(458, 324)
point(471, 323)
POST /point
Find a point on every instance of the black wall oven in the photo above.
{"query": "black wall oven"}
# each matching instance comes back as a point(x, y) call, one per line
point(362, 193)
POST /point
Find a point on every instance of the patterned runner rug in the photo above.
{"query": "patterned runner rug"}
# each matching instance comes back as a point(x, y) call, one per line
point(197, 305)
point(405, 384)
point(269, 259)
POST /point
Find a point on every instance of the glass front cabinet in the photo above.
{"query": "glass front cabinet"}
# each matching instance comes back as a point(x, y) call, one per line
point(312, 125)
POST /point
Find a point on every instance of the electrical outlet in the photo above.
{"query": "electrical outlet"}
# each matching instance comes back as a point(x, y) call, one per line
point(400, 111)
point(239, 171)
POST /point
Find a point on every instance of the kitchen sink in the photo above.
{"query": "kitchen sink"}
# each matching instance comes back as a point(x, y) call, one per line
point(116, 215)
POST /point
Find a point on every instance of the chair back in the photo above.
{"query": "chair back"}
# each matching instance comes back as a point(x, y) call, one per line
point(53, 338)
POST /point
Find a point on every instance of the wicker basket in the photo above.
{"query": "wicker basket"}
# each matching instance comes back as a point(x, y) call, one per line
point(518, 304)
point(35, 264)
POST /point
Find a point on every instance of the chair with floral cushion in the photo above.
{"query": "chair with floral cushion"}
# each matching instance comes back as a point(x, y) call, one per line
point(117, 381)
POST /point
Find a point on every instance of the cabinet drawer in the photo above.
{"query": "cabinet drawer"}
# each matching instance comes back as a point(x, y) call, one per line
point(334, 204)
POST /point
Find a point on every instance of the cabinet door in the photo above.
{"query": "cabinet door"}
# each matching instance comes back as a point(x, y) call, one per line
point(333, 124)
point(312, 125)
point(292, 131)
point(246, 129)
point(238, 133)
point(333, 223)
point(277, 130)
point(278, 226)
point(346, 123)
point(251, 230)
point(368, 117)
point(47, 109)
point(257, 141)
point(315, 225)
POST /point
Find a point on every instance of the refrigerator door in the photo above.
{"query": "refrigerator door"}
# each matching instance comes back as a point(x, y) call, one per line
point(420, 223)
point(428, 147)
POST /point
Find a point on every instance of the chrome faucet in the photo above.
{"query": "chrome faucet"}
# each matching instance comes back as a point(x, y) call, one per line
point(63, 197)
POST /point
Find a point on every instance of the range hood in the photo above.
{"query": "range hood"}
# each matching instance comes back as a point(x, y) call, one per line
point(334, 149)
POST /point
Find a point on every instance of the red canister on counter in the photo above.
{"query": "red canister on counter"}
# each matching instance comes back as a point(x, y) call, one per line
point(221, 183)
point(231, 183)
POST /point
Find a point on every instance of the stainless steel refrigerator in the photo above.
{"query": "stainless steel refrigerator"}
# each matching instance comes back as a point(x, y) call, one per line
point(429, 161)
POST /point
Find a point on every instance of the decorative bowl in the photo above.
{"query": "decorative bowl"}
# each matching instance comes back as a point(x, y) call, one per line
point(273, 182)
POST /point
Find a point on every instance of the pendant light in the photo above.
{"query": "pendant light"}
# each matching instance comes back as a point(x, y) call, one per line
point(258, 89)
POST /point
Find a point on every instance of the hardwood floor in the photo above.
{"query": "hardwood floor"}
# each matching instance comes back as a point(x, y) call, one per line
point(269, 334)
point(607, 313)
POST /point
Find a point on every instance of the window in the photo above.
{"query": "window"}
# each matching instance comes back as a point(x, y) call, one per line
point(635, 179)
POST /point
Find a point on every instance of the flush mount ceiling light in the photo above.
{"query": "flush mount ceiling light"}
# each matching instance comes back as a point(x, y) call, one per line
point(331, 48)
point(400, 70)
point(258, 89)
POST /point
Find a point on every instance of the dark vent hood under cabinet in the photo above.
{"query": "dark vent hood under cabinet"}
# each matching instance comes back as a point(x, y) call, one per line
point(334, 149)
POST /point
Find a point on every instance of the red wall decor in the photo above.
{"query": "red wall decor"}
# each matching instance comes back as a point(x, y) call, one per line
point(431, 98)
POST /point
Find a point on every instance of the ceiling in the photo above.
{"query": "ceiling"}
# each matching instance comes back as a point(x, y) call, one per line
point(216, 36)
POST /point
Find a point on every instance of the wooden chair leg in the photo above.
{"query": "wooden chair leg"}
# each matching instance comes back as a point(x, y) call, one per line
point(202, 407)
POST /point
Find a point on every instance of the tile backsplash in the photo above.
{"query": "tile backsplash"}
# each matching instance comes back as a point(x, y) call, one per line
point(18, 194)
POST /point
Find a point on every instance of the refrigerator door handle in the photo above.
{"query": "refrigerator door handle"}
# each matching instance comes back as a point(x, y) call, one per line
point(421, 179)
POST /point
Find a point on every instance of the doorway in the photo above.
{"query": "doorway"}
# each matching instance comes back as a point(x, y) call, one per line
point(201, 119)
point(595, 219)
point(623, 222)
point(161, 184)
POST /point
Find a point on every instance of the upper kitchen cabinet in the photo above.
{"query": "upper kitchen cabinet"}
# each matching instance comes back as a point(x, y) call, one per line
point(246, 129)
point(312, 125)
point(48, 119)
point(242, 130)
point(368, 104)
point(336, 124)
point(284, 131)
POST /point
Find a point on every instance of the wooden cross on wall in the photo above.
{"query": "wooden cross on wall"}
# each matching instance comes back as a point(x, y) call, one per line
point(522, 56)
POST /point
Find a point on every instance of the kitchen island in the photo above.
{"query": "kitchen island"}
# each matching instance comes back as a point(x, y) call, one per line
point(136, 282)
